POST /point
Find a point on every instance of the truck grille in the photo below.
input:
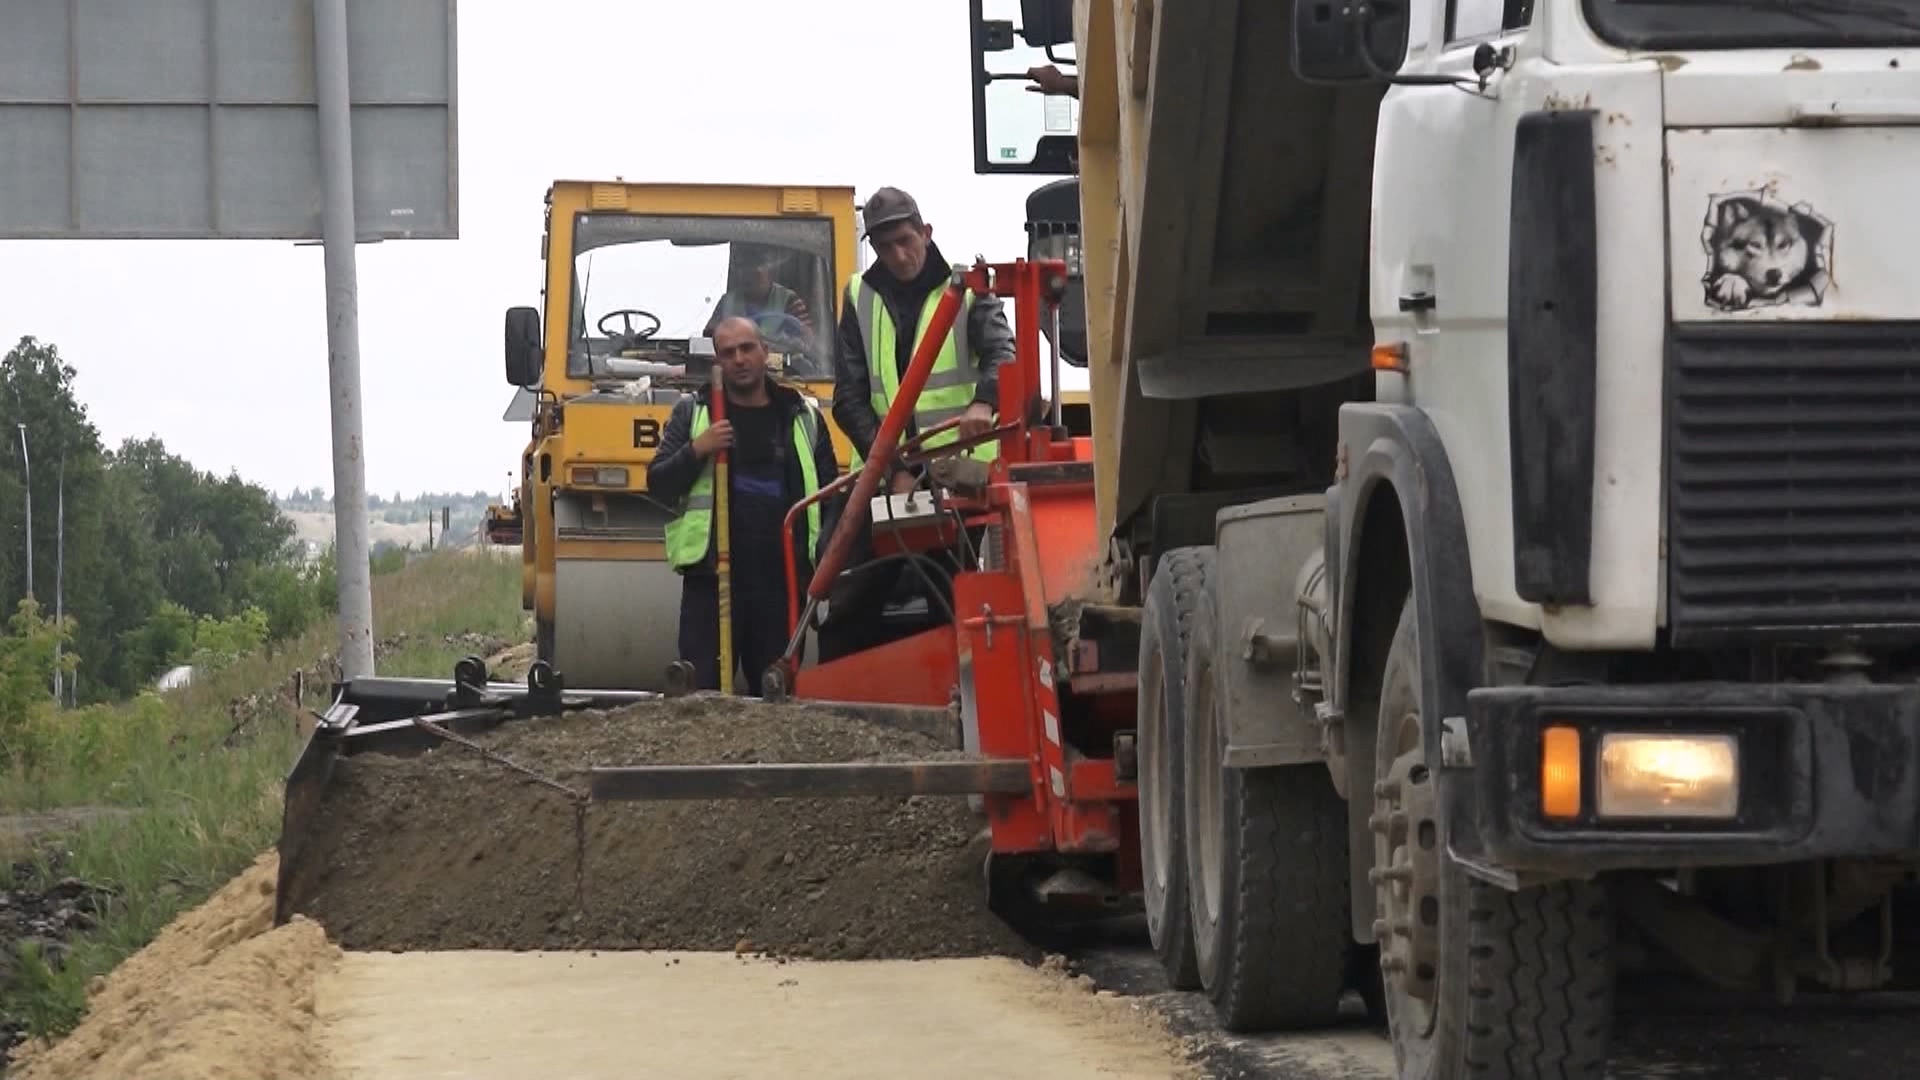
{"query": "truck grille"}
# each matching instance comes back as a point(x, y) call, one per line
point(1793, 464)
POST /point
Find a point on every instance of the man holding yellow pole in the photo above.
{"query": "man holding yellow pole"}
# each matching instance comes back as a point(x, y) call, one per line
point(776, 452)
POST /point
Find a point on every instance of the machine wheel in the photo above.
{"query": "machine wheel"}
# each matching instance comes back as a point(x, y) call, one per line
point(1266, 869)
point(1164, 629)
point(1480, 982)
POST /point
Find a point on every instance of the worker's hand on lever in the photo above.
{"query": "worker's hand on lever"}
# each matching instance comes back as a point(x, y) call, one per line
point(1051, 80)
point(716, 438)
point(977, 420)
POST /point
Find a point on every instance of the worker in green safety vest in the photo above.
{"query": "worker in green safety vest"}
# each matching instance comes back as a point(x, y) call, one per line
point(901, 290)
point(778, 453)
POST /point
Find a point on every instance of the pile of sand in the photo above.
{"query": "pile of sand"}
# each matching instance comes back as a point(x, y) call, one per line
point(448, 851)
point(218, 995)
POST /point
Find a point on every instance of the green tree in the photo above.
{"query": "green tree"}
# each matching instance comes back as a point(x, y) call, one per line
point(219, 642)
point(26, 671)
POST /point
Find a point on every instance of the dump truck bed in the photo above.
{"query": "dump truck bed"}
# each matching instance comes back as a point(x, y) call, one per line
point(1226, 215)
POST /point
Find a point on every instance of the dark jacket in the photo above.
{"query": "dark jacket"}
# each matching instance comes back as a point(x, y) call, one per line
point(988, 336)
point(675, 466)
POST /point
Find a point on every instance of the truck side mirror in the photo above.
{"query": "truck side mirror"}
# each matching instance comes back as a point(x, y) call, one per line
point(1015, 131)
point(523, 346)
point(1045, 23)
point(1337, 42)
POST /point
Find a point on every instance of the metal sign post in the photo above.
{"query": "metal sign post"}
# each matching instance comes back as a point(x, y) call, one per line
point(354, 572)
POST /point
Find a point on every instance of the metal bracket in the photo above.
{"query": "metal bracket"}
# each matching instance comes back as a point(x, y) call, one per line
point(1456, 752)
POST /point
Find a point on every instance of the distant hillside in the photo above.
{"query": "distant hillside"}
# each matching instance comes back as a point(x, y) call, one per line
point(393, 522)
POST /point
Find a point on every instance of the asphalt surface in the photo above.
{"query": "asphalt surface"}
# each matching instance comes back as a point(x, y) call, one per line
point(1674, 1031)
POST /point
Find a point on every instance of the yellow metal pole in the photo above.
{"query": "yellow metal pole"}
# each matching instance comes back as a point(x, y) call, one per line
point(722, 562)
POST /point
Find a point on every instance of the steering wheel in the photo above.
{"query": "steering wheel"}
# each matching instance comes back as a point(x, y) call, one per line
point(626, 322)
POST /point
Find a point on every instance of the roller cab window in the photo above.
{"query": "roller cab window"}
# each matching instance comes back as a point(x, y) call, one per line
point(649, 289)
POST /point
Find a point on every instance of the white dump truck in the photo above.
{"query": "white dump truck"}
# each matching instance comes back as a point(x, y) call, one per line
point(1506, 419)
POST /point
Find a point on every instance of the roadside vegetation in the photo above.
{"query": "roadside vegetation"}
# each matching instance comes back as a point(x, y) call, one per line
point(160, 796)
point(198, 771)
point(149, 559)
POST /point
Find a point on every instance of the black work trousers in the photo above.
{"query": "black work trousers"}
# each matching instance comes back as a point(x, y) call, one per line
point(759, 630)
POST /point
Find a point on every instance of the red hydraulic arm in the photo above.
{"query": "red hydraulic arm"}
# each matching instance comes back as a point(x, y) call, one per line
point(1023, 281)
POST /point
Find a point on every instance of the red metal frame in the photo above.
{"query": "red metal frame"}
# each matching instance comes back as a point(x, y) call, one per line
point(1001, 656)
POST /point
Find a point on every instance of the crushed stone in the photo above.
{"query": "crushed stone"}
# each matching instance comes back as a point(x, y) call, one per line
point(445, 850)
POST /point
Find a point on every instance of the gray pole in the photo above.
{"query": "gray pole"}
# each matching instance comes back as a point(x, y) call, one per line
point(59, 577)
point(26, 463)
point(337, 232)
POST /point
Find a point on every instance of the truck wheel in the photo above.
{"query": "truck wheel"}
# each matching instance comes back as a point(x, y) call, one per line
point(1164, 628)
point(1266, 870)
point(1479, 981)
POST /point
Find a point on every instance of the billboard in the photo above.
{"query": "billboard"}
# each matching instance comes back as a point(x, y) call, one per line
point(196, 119)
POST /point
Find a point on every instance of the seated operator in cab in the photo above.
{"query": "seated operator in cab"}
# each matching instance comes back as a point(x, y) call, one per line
point(778, 452)
point(753, 294)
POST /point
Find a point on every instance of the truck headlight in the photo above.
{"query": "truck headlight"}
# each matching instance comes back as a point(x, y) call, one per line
point(1668, 776)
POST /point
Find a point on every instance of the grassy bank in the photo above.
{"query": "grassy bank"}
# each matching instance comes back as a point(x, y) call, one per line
point(199, 770)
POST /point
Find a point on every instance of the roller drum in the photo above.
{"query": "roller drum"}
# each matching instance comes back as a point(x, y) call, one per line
point(616, 623)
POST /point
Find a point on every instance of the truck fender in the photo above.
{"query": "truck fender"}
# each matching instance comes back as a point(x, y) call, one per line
point(1396, 477)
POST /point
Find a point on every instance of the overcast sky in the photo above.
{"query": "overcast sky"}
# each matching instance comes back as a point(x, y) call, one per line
point(220, 349)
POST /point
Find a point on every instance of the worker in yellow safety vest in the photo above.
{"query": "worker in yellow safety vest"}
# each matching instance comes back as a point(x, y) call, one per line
point(901, 290)
point(883, 317)
point(778, 453)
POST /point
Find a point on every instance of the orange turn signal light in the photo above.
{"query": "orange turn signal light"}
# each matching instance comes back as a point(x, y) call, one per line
point(1560, 772)
point(1390, 356)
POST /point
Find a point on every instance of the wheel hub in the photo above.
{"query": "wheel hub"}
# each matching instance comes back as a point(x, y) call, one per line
point(1406, 874)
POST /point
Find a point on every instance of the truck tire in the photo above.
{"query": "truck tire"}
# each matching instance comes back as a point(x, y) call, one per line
point(1165, 625)
point(1267, 872)
point(1480, 982)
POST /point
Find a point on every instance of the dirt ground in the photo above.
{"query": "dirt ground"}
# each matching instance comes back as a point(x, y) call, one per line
point(219, 995)
point(448, 851)
point(481, 1016)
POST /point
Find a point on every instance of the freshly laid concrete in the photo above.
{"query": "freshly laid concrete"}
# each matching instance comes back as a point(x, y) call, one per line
point(695, 1016)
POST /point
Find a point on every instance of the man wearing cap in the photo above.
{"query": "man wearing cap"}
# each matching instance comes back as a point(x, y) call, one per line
point(901, 290)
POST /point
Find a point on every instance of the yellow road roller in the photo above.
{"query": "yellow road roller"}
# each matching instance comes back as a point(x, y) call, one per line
point(646, 271)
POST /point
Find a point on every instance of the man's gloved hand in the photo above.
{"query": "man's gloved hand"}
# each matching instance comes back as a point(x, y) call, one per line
point(977, 420)
point(716, 438)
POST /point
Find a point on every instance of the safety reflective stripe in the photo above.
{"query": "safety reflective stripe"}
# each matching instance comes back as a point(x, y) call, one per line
point(931, 417)
point(691, 530)
point(941, 380)
point(804, 426)
point(948, 390)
